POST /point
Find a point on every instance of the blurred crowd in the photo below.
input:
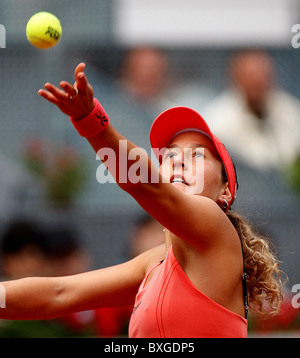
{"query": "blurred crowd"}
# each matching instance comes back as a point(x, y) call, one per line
point(28, 249)
point(257, 120)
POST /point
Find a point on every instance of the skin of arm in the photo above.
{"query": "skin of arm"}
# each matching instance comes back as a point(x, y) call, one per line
point(200, 229)
point(156, 198)
point(51, 297)
point(194, 219)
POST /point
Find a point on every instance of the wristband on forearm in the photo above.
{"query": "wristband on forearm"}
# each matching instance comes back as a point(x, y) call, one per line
point(92, 124)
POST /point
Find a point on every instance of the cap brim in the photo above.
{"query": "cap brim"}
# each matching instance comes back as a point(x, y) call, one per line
point(173, 121)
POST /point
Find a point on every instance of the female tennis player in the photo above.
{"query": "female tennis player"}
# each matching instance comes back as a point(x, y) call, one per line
point(212, 265)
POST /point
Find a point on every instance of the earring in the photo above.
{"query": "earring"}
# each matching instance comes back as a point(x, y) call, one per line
point(225, 204)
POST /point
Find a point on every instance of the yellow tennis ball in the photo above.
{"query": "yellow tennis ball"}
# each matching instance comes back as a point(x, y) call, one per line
point(43, 30)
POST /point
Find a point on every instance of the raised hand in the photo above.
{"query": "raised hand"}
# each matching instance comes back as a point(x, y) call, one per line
point(75, 100)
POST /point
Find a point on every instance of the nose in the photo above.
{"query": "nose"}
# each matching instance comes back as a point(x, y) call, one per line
point(178, 161)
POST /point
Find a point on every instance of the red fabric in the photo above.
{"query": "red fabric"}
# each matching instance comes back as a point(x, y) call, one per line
point(112, 321)
point(170, 306)
point(94, 123)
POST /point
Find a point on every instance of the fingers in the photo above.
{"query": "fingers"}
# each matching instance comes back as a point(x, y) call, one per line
point(48, 96)
point(74, 100)
point(72, 91)
point(68, 89)
point(56, 92)
point(56, 95)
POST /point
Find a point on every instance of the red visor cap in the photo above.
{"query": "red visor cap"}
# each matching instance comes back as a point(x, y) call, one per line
point(183, 119)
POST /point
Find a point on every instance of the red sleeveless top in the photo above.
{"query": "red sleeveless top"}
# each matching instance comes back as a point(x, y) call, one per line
point(170, 306)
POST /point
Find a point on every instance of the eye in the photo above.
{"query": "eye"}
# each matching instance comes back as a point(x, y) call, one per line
point(199, 153)
point(169, 154)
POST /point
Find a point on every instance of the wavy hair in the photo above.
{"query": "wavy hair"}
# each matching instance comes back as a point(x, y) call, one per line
point(264, 281)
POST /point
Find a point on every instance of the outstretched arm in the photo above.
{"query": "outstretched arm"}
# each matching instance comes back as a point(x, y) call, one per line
point(195, 219)
point(50, 297)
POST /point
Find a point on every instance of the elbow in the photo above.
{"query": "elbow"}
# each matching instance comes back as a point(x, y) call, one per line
point(58, 304)
point(53, 303)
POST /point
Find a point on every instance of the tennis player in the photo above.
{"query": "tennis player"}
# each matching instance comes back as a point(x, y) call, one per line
point(212, 265)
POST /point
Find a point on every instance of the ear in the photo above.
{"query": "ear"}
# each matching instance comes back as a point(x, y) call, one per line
point(224, 195)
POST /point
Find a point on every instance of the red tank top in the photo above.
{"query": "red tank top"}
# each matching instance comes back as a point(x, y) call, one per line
point(170, 306)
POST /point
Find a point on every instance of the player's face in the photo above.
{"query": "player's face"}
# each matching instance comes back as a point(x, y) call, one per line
point(191, 164)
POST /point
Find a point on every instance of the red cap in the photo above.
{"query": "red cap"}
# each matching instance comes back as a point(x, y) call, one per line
point(183, 119)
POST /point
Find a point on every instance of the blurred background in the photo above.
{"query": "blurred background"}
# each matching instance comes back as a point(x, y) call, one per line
point(238, 65)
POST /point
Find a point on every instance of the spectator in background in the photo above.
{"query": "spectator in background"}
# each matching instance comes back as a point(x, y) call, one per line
point(29, 250)
point(23, 250)
point(145, 76)
point(259, 123)
point(146, 234)
point(67, 257)
point(256, 119)
point(18, 189)
point(65, 253)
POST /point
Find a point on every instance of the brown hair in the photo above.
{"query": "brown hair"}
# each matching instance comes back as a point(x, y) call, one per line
point(264, 283)
point(261, 267)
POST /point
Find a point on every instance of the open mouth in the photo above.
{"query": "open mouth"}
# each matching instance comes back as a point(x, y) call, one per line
point(178, 179)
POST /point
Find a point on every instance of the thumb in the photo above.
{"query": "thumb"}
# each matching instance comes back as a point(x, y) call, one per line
point(79, 69)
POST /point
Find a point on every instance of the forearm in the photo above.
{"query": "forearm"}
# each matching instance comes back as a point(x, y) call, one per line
point(91, 121)
point(130, 165)
point(31, 298)
point(50, 297)
point(162, 200)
